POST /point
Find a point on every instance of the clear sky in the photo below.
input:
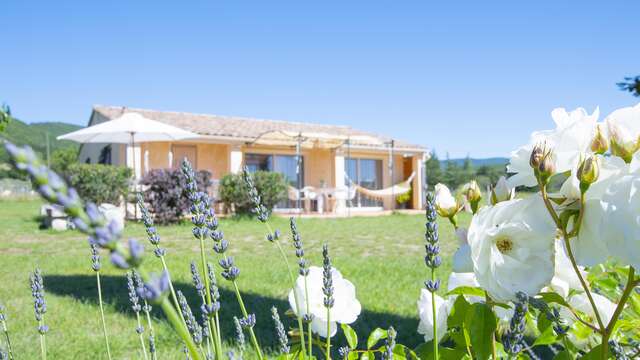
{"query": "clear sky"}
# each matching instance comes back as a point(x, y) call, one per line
point(464, 77)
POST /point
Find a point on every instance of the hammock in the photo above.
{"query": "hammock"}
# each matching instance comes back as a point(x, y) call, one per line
point(392, 191)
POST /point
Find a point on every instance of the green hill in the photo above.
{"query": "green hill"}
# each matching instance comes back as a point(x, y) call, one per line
point(35, 135)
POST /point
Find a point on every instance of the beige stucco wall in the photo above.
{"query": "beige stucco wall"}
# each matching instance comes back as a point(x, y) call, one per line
point(319, 163)
point(211, 157)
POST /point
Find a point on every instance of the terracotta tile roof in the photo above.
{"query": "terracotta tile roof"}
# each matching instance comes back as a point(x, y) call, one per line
point(246, 129)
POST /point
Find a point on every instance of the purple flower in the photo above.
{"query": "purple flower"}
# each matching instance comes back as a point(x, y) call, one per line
point(155, 288)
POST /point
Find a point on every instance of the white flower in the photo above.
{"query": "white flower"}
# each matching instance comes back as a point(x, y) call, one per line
point(624, 129)
point(425, 311)
point(565, 278)
point(446, 204)
point(572, 137)
point(512, 247)
point(457, 279)
point(619, 226)
point(605, 307)
point(346, 307)
point(610, 168)
point(600, 231)
point(462, 257)
point(502, 191)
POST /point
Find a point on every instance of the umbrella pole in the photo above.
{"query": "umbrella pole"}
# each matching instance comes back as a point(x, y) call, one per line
point(135, 175)
point(349, 200)
point(391, 165)
point(298, 177)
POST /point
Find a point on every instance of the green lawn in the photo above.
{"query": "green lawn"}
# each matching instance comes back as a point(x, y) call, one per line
point(382, 256)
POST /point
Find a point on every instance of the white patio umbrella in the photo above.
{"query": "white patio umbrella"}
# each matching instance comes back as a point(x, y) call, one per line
point(129, 128)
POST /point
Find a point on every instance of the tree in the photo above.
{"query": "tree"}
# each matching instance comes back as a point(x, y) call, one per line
point(631, 84)
point(433, 170)
point(5, 116)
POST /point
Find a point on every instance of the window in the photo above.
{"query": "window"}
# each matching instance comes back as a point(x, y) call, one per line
point(368, 174)
point(105, 155)
point(283, 164)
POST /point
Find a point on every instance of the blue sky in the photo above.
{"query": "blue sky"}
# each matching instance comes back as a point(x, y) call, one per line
point(464, 77)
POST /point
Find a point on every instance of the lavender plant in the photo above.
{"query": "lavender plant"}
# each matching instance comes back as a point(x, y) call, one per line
point(5, 331)
point(90, 221)
point(136, 307)
point(327, 289)
point(146, 308)
point(96, 266)
point(240, 340)
point(159, 252)
point(432, 260)
point(202, 217)
point(40, 308)
point(262, 213)
point(281, 334)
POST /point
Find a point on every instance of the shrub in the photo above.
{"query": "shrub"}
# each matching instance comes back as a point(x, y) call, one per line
point(165, 193)
point(271, 186)
point(63, 158)
point(100, 183)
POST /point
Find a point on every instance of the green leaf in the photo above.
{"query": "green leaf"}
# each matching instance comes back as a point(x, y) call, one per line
point(458, 312)
point(547, 337)
point(350, 334)
point(425, 350)
point(551, 297)
point(369, 355)
point(402, 352)
point(543, 322)
point(563, 355)
point(595, 354)
point(482, 324)
point(376, 335)
point(466, 290)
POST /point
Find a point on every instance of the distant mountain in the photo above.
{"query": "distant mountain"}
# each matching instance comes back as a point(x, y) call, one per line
point(35, 135)
point(494, 161)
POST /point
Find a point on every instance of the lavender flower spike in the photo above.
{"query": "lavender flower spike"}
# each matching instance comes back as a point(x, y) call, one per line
point(258, 208)
point(192, 324)
point(240, 340)
point(297, 243)
point(280, 332)
point(327, 279)
point(5, 331)
point(155, 288)
point(514, 337)
point(432, 258)
point(40, 308)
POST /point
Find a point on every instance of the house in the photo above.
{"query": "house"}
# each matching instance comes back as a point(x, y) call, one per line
point(333, 158)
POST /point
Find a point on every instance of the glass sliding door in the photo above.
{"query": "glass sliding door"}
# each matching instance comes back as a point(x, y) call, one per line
point(283, 164)
point(368, 174)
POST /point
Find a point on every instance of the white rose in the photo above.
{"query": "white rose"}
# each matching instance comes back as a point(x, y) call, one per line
point(462, 257)
point(346, 307)
point(425, 311)
point(602, 221)
point(572, 137)
point(620, 224)
point(502, 191)
point(624, 129)
point(457, 280)
point(446, 204)
point(605, 307)
point(565, 278)
point(512, 247)
point(610, 168)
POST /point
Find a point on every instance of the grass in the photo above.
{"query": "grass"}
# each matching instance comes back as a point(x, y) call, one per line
point(382, 256)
